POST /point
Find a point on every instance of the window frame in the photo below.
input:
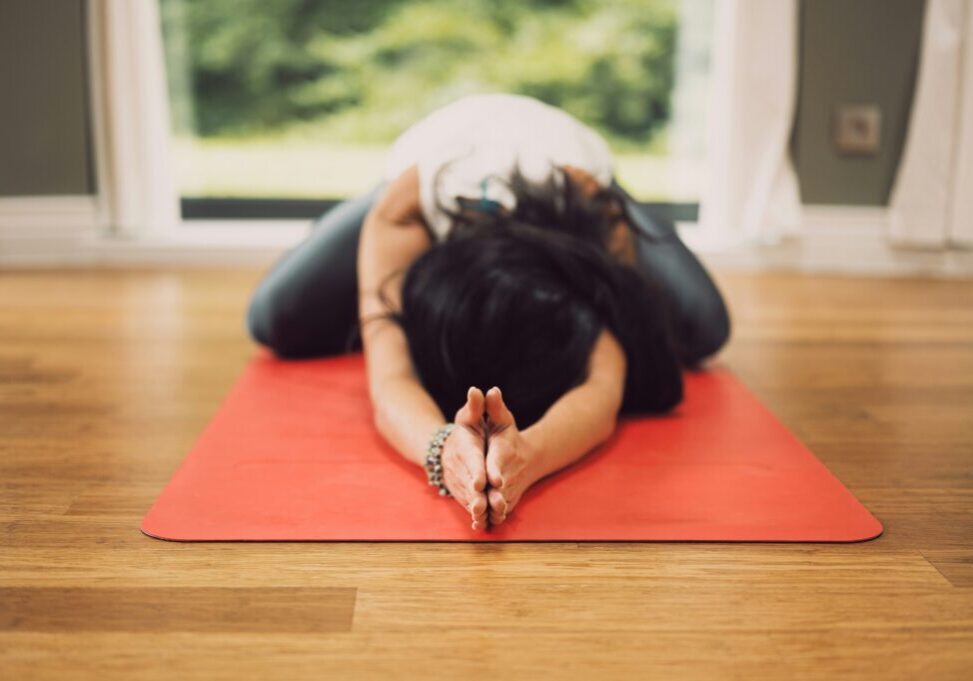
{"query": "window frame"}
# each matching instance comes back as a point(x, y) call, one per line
point(269, 208)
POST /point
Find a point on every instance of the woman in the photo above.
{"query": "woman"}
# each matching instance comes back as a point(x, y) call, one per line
point(498, 252)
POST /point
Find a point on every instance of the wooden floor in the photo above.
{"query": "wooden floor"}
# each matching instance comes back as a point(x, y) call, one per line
point(107, 377)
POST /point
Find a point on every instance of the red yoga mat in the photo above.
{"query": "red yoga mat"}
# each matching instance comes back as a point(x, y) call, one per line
point(291, 454)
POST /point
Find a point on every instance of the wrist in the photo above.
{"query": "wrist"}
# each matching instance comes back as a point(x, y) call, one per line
point(536, 450)
point(433, 459)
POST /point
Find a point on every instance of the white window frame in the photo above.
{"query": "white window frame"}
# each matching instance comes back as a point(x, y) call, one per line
point(134, 148)
point(134, 218)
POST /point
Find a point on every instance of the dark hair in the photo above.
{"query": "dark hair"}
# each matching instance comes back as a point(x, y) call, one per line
point(517, 299)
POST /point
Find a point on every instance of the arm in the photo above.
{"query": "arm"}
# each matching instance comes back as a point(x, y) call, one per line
point(579, 420)
point(583, 417)
point(392, 237)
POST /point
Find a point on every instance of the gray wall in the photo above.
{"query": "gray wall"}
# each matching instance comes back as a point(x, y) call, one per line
point(44, 122)
point(852, 51)
point(857, 52)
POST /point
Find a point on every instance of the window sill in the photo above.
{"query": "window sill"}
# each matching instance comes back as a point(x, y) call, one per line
point(257, 236)
point(200, 242)
point(192, 243)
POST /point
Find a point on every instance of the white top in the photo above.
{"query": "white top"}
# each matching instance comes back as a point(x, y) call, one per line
point(485, 136)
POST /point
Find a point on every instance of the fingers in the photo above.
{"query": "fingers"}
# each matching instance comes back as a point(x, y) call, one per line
point(500, 416)
point(473, 458)
point(474, 502)
point(505, 464)
point(471, 413)
point(495, 503)
point(499, 506)
point(498, 502)
point(468, 472)
point(471, 468)
point(464, 473)
point(468, 469)
point(478, 509)
point(493, 463)
point(464, 451)
point(461, 493)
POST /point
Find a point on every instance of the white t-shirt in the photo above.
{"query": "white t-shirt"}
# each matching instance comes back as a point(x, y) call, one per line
point(482, 138)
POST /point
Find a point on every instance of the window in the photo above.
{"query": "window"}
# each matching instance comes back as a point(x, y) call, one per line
point(281, 105)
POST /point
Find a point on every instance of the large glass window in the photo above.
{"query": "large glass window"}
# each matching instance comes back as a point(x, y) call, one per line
point(299, 99)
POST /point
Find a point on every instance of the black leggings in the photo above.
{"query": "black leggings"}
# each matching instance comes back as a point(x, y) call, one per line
point(307, 304)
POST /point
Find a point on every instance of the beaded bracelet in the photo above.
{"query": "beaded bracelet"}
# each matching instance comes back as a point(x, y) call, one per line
point(434, 458)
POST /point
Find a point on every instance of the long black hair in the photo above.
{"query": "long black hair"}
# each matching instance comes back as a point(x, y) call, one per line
point(518, 298)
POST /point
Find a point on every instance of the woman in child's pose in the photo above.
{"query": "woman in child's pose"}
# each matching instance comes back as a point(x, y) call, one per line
point(498, 253)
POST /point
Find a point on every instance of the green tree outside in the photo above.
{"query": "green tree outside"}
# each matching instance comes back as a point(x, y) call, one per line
point(345, 74)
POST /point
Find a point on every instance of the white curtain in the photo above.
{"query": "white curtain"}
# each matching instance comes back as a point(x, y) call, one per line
point(132, 109)
point(960, 228)
point(751, 193)
point(931, 204)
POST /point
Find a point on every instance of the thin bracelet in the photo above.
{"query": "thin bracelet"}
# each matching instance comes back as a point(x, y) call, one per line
point(434, 458)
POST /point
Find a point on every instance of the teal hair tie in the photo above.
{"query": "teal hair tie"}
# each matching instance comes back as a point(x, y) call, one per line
point(487, 205)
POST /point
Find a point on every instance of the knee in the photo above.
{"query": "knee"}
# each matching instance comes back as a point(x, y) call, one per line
point(260, 321)
point(270, 324)
point(707, 338)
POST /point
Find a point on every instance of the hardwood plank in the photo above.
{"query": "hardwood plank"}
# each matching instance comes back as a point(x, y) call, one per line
point(839, 653)
point(956, 565)
point(108, 557)
point(183, 608)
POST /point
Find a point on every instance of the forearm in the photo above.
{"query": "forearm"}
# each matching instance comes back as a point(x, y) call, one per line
point(406, 416)
point(580, 420)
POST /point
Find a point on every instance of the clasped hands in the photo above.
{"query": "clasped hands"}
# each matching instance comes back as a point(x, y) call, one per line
point(510, 465)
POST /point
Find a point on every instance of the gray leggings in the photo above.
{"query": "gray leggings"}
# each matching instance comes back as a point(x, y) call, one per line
point(307, 303)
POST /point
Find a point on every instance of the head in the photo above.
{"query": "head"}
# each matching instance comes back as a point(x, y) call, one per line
point(518, 300)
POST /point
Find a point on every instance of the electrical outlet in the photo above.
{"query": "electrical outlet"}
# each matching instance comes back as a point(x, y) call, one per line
point(858, 129)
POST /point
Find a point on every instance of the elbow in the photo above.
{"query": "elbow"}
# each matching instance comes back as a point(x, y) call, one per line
point(378, 422)
point(379, 417)
point(612, 406)
point(610, 425)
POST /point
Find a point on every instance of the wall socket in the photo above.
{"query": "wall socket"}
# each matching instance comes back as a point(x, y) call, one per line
point(858, 129)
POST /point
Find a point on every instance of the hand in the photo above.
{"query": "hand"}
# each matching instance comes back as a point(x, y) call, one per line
point(464, 466)
point(511, 462)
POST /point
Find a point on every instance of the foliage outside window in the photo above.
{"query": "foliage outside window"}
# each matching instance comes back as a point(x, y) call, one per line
point(300, 98)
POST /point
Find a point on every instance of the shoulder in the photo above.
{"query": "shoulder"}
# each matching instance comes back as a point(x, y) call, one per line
point(398, 203)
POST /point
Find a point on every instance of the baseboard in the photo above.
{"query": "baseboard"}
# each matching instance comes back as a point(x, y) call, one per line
point(66, 232)
point(849, 240)
point(47, 217)
point(41, 228)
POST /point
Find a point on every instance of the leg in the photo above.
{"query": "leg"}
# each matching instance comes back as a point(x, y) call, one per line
point(702, 319)
point(307, 304)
